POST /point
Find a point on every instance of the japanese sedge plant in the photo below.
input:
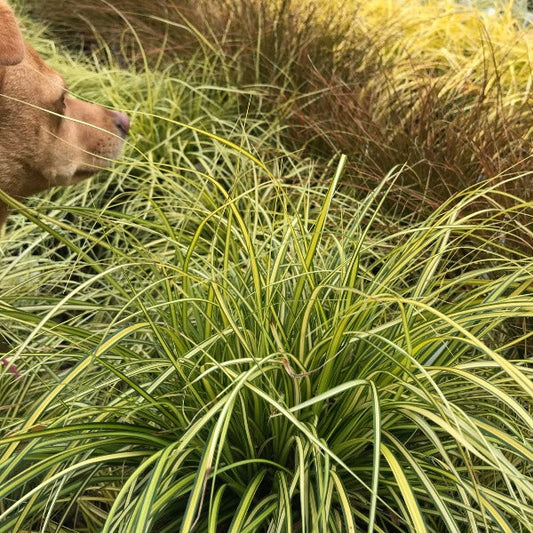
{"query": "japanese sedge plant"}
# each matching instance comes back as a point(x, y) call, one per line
point(265, 358)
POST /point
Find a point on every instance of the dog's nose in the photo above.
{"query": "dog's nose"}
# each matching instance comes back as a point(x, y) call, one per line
point(122, 122)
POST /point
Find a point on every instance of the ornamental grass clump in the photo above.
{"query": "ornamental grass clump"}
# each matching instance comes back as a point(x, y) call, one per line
point(264, 357)
point(445, 88)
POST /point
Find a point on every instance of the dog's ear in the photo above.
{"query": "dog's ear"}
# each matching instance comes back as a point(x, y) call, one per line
point(11, 42)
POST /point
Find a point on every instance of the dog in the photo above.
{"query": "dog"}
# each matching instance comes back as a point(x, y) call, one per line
point(47, 137)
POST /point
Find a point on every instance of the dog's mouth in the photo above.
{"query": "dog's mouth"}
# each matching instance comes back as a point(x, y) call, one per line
point(85, 173)
point(88, 170)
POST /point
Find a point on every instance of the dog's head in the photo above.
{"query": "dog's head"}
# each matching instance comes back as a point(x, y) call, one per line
point(47, 137)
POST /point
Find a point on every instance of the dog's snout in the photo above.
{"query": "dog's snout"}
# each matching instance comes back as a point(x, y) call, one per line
point(122, 122)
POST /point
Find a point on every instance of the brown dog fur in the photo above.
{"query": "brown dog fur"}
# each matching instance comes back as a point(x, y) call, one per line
point(47, 137)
